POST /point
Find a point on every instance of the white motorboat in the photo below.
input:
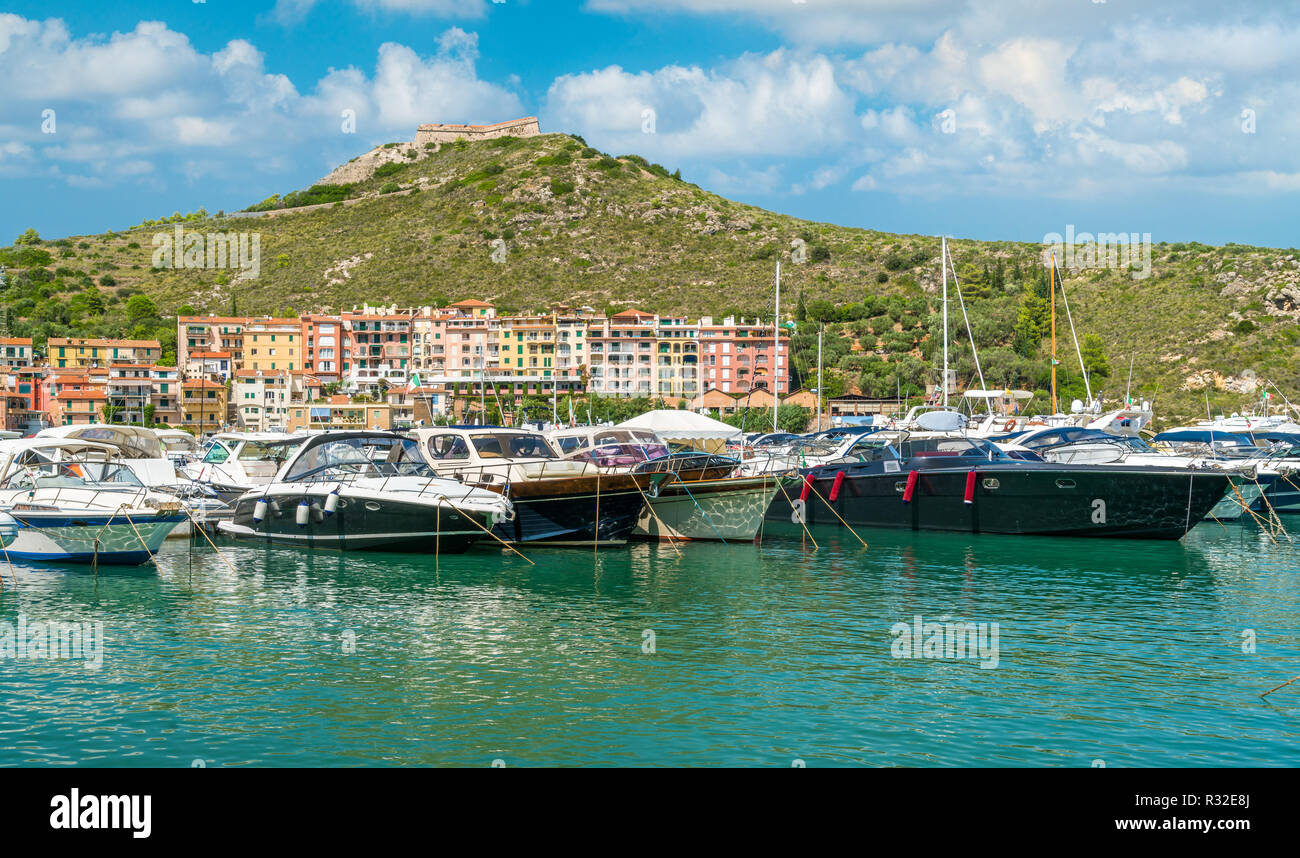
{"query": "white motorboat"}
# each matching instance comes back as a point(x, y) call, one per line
point(365, 490)
point(74, 501)
point(233, 463)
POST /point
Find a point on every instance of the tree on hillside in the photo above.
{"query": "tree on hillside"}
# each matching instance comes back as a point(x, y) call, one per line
point(31, 236)
point(1094, 356)
point(140, 309)
point(1031, 324)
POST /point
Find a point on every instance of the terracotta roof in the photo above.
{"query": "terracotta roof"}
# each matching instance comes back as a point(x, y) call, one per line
point(104, 343)
point(15, 341)
point(471, 303)
point(202, 384)
point(78, 395)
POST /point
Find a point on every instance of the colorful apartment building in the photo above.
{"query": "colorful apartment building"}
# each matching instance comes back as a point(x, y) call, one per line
point(203, 405)
point(262, 400)
point(77, 353)
point(273, 344)
point(217, 365)
point(210, 334)
point(327, 346)
point(16, 351)
point(739, 356)
point(339, 412)
point(380, 355)
point(20, 398)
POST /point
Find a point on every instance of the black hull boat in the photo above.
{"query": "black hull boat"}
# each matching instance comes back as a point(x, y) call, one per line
point(376, 522)
point(365, 491)
point(975, 491)
point(571, 512)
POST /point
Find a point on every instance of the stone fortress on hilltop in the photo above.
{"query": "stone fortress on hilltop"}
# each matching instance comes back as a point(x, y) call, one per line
point(428, 138)
point(437, 133)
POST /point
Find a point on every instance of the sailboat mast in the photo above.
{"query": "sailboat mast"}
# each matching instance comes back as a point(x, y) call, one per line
point(1052, 289)
point(819, 378)
point(776, 349)
point(943, 265)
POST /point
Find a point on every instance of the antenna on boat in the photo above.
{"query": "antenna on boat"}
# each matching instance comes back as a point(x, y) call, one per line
point(943, 265)
point(971, 334)
point(1086, 385)
point(1128, 391)
point(1052, 292)
point(776, 348)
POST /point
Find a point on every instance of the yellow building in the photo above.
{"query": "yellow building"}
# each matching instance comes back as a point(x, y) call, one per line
point(77, 353)
point(271, 345)
point(203, 405)
point(526, 346)
point(340, 412)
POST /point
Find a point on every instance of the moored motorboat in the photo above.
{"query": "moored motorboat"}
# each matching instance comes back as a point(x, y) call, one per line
point(233, 463)
point(692, 495)
point(556, 501)
point(942, 481)
point(364, 490)
point(71, 502)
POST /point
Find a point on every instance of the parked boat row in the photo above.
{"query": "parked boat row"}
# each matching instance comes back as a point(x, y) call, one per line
point(110, 494)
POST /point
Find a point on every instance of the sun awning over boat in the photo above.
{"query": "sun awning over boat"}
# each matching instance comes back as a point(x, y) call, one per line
point(998, 394)
point(671, 424)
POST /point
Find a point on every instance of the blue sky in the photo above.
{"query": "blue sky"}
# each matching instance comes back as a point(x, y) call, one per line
point(1002, 119)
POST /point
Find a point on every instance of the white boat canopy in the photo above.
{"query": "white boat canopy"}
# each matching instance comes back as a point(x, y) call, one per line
point(998, 394)
point(135, 442)
point(673, 425)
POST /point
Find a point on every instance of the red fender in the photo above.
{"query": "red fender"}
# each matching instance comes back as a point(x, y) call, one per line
point(835, 486)
point(910, 487)
point(970, 487)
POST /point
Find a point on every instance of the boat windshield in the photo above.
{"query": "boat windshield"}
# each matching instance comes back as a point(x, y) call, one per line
point(510, 446)
point(943, 447)
point(70, 475)
point(343, 458)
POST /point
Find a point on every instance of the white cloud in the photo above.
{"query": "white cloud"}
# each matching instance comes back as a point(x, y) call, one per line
point(773, 104)
point(150, 93)
point(293, 11)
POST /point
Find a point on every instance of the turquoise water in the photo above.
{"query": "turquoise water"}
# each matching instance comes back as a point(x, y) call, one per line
point(1124, 652)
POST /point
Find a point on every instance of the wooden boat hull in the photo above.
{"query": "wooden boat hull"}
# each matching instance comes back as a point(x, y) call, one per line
point(574, 510)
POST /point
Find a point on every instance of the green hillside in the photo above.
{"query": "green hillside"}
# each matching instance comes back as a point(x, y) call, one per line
point(580, 227)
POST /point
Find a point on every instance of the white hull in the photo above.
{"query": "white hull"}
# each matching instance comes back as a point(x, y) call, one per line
point(727, 509)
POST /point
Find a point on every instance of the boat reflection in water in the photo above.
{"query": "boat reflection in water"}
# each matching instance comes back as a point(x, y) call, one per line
point(365, 490)
point(946, 481)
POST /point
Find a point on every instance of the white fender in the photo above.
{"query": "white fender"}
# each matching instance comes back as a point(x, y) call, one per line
point(332, 502)
point(8, 529)
point(259, 510)
point(303, 513)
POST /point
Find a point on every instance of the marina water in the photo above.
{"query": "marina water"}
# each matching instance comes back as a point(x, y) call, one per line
point(1109, 652)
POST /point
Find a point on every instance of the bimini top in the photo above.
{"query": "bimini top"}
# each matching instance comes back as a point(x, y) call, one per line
point(135, 442)
point(1204, 436)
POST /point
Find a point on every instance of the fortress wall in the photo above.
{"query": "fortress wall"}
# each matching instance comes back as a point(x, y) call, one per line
point(438, 133)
